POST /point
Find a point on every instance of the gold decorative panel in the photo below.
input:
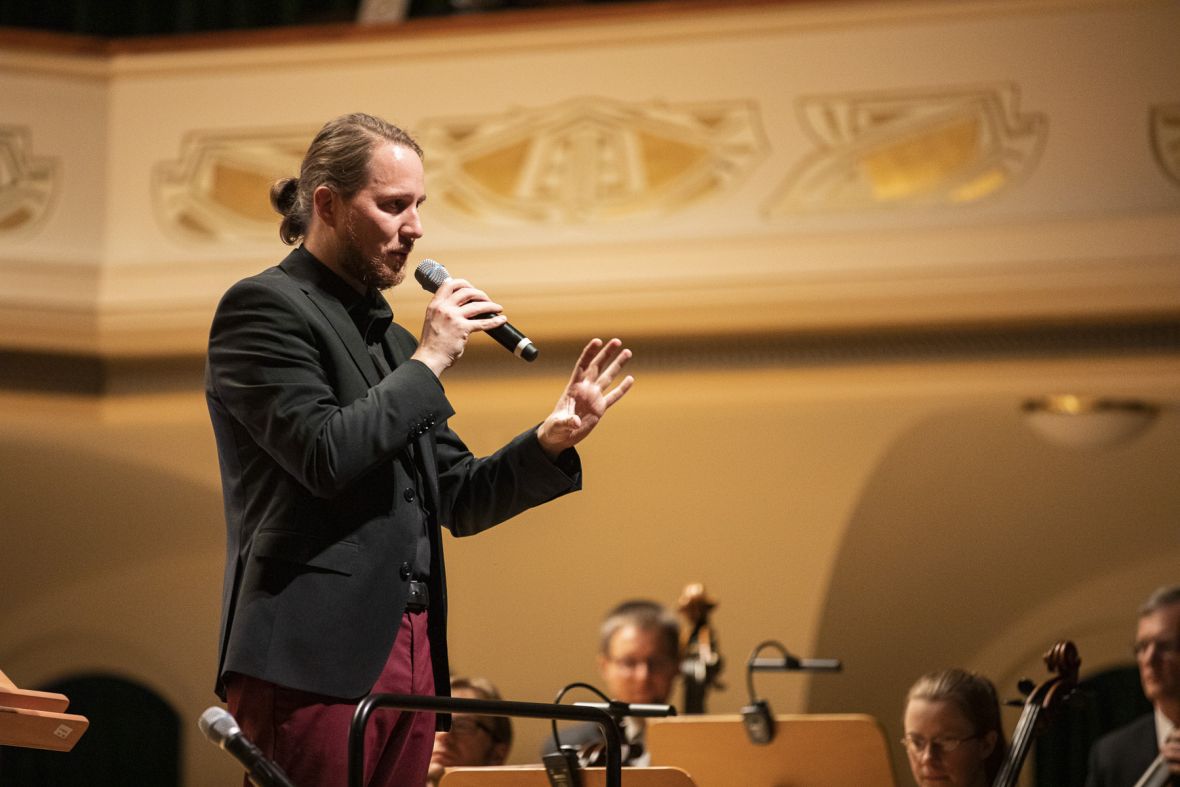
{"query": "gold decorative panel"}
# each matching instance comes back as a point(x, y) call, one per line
point(27, 183)
point(915, 148)
point(588, 159)
point(1165, 138)
point(219, 188)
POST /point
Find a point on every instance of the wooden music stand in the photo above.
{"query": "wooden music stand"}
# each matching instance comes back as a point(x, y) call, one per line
point(534, 776)
point(37, 719)
point(811, 750)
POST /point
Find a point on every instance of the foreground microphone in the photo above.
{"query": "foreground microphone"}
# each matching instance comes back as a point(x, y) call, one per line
point(430, 275)
point(221, 728)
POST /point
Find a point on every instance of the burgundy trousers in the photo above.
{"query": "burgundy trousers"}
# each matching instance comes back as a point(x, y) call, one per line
point(307, 734)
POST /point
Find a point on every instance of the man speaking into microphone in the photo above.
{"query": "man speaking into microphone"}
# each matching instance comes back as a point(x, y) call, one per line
point(338, 468)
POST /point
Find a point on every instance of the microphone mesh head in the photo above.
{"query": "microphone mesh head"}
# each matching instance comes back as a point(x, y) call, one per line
point(430, 274)
point(217, 725)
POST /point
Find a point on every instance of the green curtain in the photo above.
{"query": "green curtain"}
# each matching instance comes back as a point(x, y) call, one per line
point(133, 739)
point(122, 18)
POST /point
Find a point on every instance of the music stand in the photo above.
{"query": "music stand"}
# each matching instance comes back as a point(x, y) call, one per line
point(534, 776)
point(813, 750)
point(37, 719)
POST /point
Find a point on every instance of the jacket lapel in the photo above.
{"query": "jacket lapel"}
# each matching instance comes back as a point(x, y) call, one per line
point(304, 268)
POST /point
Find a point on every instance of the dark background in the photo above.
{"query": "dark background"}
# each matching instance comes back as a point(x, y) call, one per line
point(130, 18)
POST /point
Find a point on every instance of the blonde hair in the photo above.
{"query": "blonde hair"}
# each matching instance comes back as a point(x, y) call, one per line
point(975, 697)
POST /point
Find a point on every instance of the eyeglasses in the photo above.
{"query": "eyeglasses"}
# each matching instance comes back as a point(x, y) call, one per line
point(946, 744)
point(469, 725)
point(654, 664)
point(1163, 648)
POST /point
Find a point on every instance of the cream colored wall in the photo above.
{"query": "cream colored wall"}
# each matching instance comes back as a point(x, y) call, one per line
point(1088, 204)
point(747, 480)
point(796, 490)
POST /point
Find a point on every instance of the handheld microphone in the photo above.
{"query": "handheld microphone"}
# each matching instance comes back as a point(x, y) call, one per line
point(640, 709)
point(222, 729)
point(430, 275)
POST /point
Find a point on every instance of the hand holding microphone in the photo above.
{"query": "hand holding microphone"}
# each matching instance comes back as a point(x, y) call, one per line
point(458, 309)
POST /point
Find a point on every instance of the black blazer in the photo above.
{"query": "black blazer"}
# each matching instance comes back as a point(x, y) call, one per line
point(1119, 758)
point(319, 542)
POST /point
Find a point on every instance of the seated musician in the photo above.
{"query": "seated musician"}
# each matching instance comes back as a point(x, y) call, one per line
point(473, 740)
point(639, 659)
point(953, 734)
point(1121, 757)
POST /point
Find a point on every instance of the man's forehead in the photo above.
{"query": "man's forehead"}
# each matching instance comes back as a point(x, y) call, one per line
point(393, 164)
point(1165, 619)
point(632, 637)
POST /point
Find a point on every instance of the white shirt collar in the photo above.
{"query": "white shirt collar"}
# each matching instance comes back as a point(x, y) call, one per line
point(1163, 728)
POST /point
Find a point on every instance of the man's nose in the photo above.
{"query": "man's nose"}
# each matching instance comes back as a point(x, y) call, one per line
point(413, 226)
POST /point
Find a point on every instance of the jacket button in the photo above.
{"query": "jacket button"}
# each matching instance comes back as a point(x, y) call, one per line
point(408, 495)
point(404, 571)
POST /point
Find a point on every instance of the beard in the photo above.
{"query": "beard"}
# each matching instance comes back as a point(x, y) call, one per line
point(369, 271)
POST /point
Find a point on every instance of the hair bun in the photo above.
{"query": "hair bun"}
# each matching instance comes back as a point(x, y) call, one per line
point(283, 194)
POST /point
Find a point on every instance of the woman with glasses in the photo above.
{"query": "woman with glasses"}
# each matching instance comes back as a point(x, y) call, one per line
point(473, 740)
point(953, 734)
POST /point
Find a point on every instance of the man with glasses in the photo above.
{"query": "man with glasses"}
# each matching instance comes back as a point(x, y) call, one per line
point(639, 659)
point(472, 740)
point(1120, 758)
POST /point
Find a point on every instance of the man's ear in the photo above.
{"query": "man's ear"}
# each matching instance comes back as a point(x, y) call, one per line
point(498, 755)
point(326, 204)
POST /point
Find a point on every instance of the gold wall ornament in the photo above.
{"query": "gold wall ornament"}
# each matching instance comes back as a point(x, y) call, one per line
point(588, 159)
point(1165, 138)
point(219, 188)
point(28, 183)
point(943, 147)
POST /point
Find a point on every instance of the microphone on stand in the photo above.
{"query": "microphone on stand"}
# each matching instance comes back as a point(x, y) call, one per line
point(430, 275)
point(222, 729)
point(639, 709)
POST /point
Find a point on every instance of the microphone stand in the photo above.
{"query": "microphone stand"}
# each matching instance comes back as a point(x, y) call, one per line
point(531, 710)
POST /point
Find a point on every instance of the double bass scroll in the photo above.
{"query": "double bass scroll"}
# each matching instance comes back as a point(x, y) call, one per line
point(1042, 701)
point(700, 659)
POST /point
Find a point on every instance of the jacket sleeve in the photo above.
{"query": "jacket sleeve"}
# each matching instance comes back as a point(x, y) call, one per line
point(277, 368)
point(478, 493)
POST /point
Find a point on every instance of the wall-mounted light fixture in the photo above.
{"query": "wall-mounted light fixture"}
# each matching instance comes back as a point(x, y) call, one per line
point(1088, 421)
